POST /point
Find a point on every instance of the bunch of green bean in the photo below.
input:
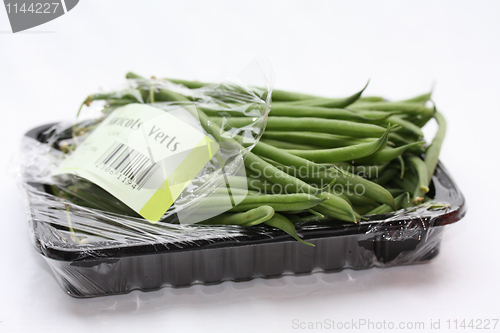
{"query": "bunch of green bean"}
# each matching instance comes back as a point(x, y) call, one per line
point(319, 158)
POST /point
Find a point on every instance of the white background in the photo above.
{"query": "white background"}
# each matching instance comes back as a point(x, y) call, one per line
point(322, 47)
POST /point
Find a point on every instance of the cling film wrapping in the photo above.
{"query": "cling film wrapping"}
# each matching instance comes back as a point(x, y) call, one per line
point(143, 152)
point(124, 188)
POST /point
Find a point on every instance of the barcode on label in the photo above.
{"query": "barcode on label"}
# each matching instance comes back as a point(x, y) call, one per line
point(129, 163)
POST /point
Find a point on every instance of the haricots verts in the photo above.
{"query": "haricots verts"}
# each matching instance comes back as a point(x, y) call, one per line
point(312, 160)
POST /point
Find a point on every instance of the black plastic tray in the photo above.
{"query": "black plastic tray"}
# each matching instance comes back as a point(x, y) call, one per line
point(383, 240)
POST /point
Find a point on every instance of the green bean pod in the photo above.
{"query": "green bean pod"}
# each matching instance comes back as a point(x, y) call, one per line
point(342, 154)
point(264, 150)
point(348, 181)
point(314, 139)
point(406, 127)
point(166, 95)
point(86, 194)
point(421, 99)
point(257, 164)
point(353, 184)
point(279, 202)
point(289, 183)
point(364, 209)
point(387, 154)
point(309, 210)
point(308, 218)
point(422, 121)
point(260, 185)
point(332, 126)
point(423, 177)
point(334, 202)
point(287, 145)
point(383, 209)
point(281, 110)
point(408, 183)
point(386, 176)
point(290, 96)
point(277, 95)
point(395, 191)
point(367, 171)
point(371, 189)
point(404, 107)
point(359, 200)
point(189, 84)
point(432, 154)
point(281, 222)
point(371, 99)
point(233, 191)
point(375, 116)
point(132, 75)
point(399, 140)
point(335, 213)
point(328, 102)
point(238, 183)
point(113, 98)
point(249, 218)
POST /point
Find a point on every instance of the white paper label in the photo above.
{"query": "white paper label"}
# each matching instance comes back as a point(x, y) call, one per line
point(144, 156)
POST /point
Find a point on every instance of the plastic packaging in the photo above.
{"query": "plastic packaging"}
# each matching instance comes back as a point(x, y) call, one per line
point(97, 245)
point(123, 161)
point(129, 255)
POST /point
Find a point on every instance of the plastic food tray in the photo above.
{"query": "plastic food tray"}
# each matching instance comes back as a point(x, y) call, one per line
point(398, 238)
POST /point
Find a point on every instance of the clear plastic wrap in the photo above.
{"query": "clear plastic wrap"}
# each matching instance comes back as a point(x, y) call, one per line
point(124, 254)
point(99, 247)
point(184, 106)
